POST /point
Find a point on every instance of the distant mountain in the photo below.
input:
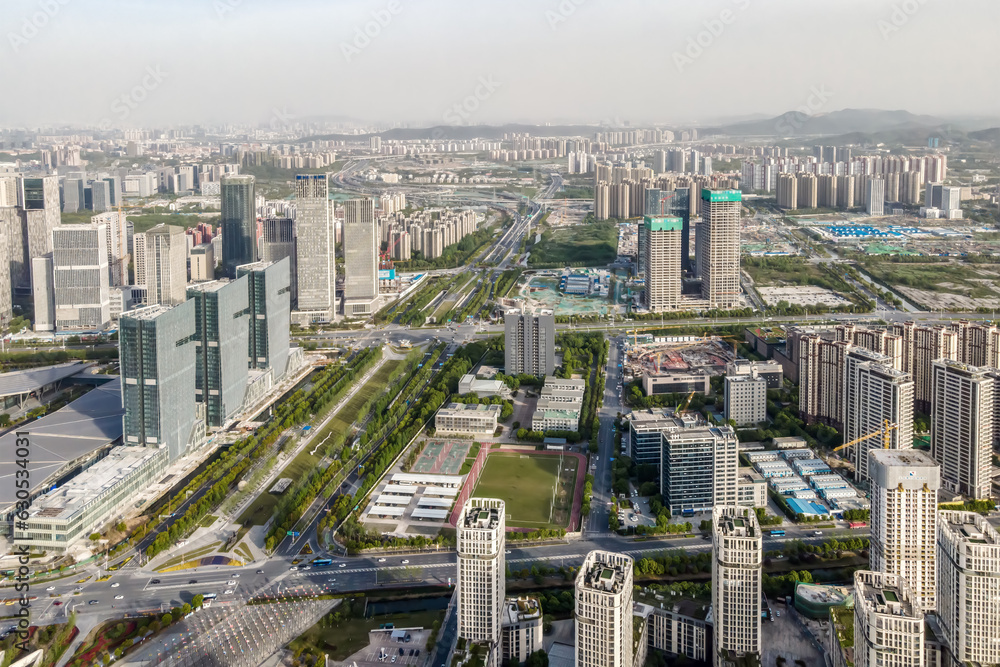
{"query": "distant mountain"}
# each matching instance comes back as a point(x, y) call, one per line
point(464, 132)
point(845, 121)
point(991, 134)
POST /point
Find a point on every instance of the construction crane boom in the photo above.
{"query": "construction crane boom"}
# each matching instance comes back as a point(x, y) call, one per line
point(885, 431)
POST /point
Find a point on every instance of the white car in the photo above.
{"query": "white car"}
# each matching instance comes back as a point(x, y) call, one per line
point(119, 597)
point(231, 583)
point(50, 588)
point(115, 585)
point(507, 552)
point(293, 568)
point(307, 567)
point(406, 561)
point(236, 576)
point(381, 560)
point(342, 565)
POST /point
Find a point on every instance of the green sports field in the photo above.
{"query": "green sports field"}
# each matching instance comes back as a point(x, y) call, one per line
point(527, 484)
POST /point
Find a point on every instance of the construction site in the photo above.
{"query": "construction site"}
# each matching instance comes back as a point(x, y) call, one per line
point(648, 356)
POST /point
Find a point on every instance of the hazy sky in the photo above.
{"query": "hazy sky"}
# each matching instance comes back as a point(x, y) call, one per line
point(145, 62)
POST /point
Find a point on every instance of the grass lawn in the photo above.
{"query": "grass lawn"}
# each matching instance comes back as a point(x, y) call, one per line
point(261, 509)
point(208, 520)
point(594, 244)
point(346, 638)
point(938, 276)
point(191, 555)
point(527, 485)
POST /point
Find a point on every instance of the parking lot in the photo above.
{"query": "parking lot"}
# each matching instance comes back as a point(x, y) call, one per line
point(382, 649)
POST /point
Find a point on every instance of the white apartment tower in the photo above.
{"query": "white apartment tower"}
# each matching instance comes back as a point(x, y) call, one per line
point(662, 249)
point(737, 558)
point(888, 622)
point(875, 196)
point(962, 426)
point(968, 553)
point(166, 265)
point(904, 490)
point(360, 257)
point(746, 398)
point(481, 571)
point(604, 611)
point(719, 257)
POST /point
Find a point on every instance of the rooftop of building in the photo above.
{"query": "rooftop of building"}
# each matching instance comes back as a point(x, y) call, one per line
point(211, 286)
point(828, 595)
point(73, 497)
point(603, 575)
point(254, 266)
point(736, 522)
point(553, 381)
point(651, 602)
point(969, 526)
point(750, 475)
point(472, 407)
point(912, 458)
point(884, 599)
point(560, 414)
point(73, 432)
point(146, 312)
point(33, 379)
point(482, 517)
point(518, 610)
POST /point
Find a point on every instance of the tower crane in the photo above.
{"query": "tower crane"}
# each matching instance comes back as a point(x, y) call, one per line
point(885, 432)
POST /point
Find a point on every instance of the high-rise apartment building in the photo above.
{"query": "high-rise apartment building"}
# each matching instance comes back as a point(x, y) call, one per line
point(316, 276)
point(719, 258)
point(662, 262)
point(808, 190)
point(888, 622)
point(745, 399)
point(821, 373)
point(875, 196)
point(165, 264)
point(157, 357)
point(874, 393)
point(269, 285)
point(962, 425)
point(699, 468)
point(922, 345)
point(968, 559)
point(138, 247)
point(604, 611)
point(81, 290)
point(360, 257)
point(529, 343)
point(221, 330)
point(202, 263)
point(904, 495)
point(978, 344)
point(481, 572)
point(787, 192)
point(737, 559)
point(238, 223)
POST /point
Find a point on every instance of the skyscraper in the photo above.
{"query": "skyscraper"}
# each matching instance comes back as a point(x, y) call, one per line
point(269, 285)
point(165, 263)
point(968, 558)
point(40, 201)
point(604, 611)
point(278, 242)
point(698, 468)
point(360, 257)
point(662, 261)
point(529, 343)
point(482, 581)
point(72, 195)
point(904, 493)
point(82, 292)
point(875, 196)
point(221, 331)
point(42, 292)
point(962, 426)
point(719, 261)
point(239, 222)
point(737, 558)
point(315, 275)
point(888, 622)
point(157, 357)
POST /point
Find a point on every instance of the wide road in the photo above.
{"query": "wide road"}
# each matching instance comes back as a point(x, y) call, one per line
point(597, 522)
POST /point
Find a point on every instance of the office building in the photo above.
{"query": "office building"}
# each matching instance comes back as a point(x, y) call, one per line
point(315, 275)
point(126, 298)
point(529, 343)
point(269, 286)
point(771, 371)
point(482, 570)
point(962, 426)
point(604, 611)
point(719, 258)
point(360, 257)
point(699, 468)
point(888, 622)
point(904, 496)
point(165, 264)
point(202, 263)
point(157, 359)
point(968, 560)
point(100, 196)
point(662, 262)
point(745, 399)
point(737, 558)
point(81, 289)
point(278, 242)
point(221, 329)
point(521, 629)
point(874, 393)
point(116, 233)
point(875, 196)
point(467, 420)
point(238, 223)
point(40, 201)
point(42, 293)
point(73, 196)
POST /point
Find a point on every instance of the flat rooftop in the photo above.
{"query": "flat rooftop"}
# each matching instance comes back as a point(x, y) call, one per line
point(970, 527)
point(911, 458)
point(213, 286)
point(471, 407)
point(885, 599)
point(78, 430)
point(518, 610)
point(482, 517)
point(605, 577)
point(146, 312)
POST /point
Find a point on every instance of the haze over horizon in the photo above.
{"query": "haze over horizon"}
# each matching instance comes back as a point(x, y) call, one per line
point(568, 61)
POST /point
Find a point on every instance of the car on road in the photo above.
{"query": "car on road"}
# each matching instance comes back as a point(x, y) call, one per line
point(778, 614)
point(93, 602)
point(57, 603)
point(406, 561)
point(231, 583)
point(236, 576)
point(393, 659)
point(342, 565)
point(229, 591)
point(307, 567)
point(193, 581)
point(260, 571)
point(381, 560)
point(331, 580)
point(507, 552)
point(294, 568)
point(51, 588)
point(115, 585)
point(119, 597)
point(817, 532)
point(154, 582)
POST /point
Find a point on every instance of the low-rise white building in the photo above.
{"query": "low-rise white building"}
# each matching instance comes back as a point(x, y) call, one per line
point(467, 419)
point(520, 628)
point(751, 488)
